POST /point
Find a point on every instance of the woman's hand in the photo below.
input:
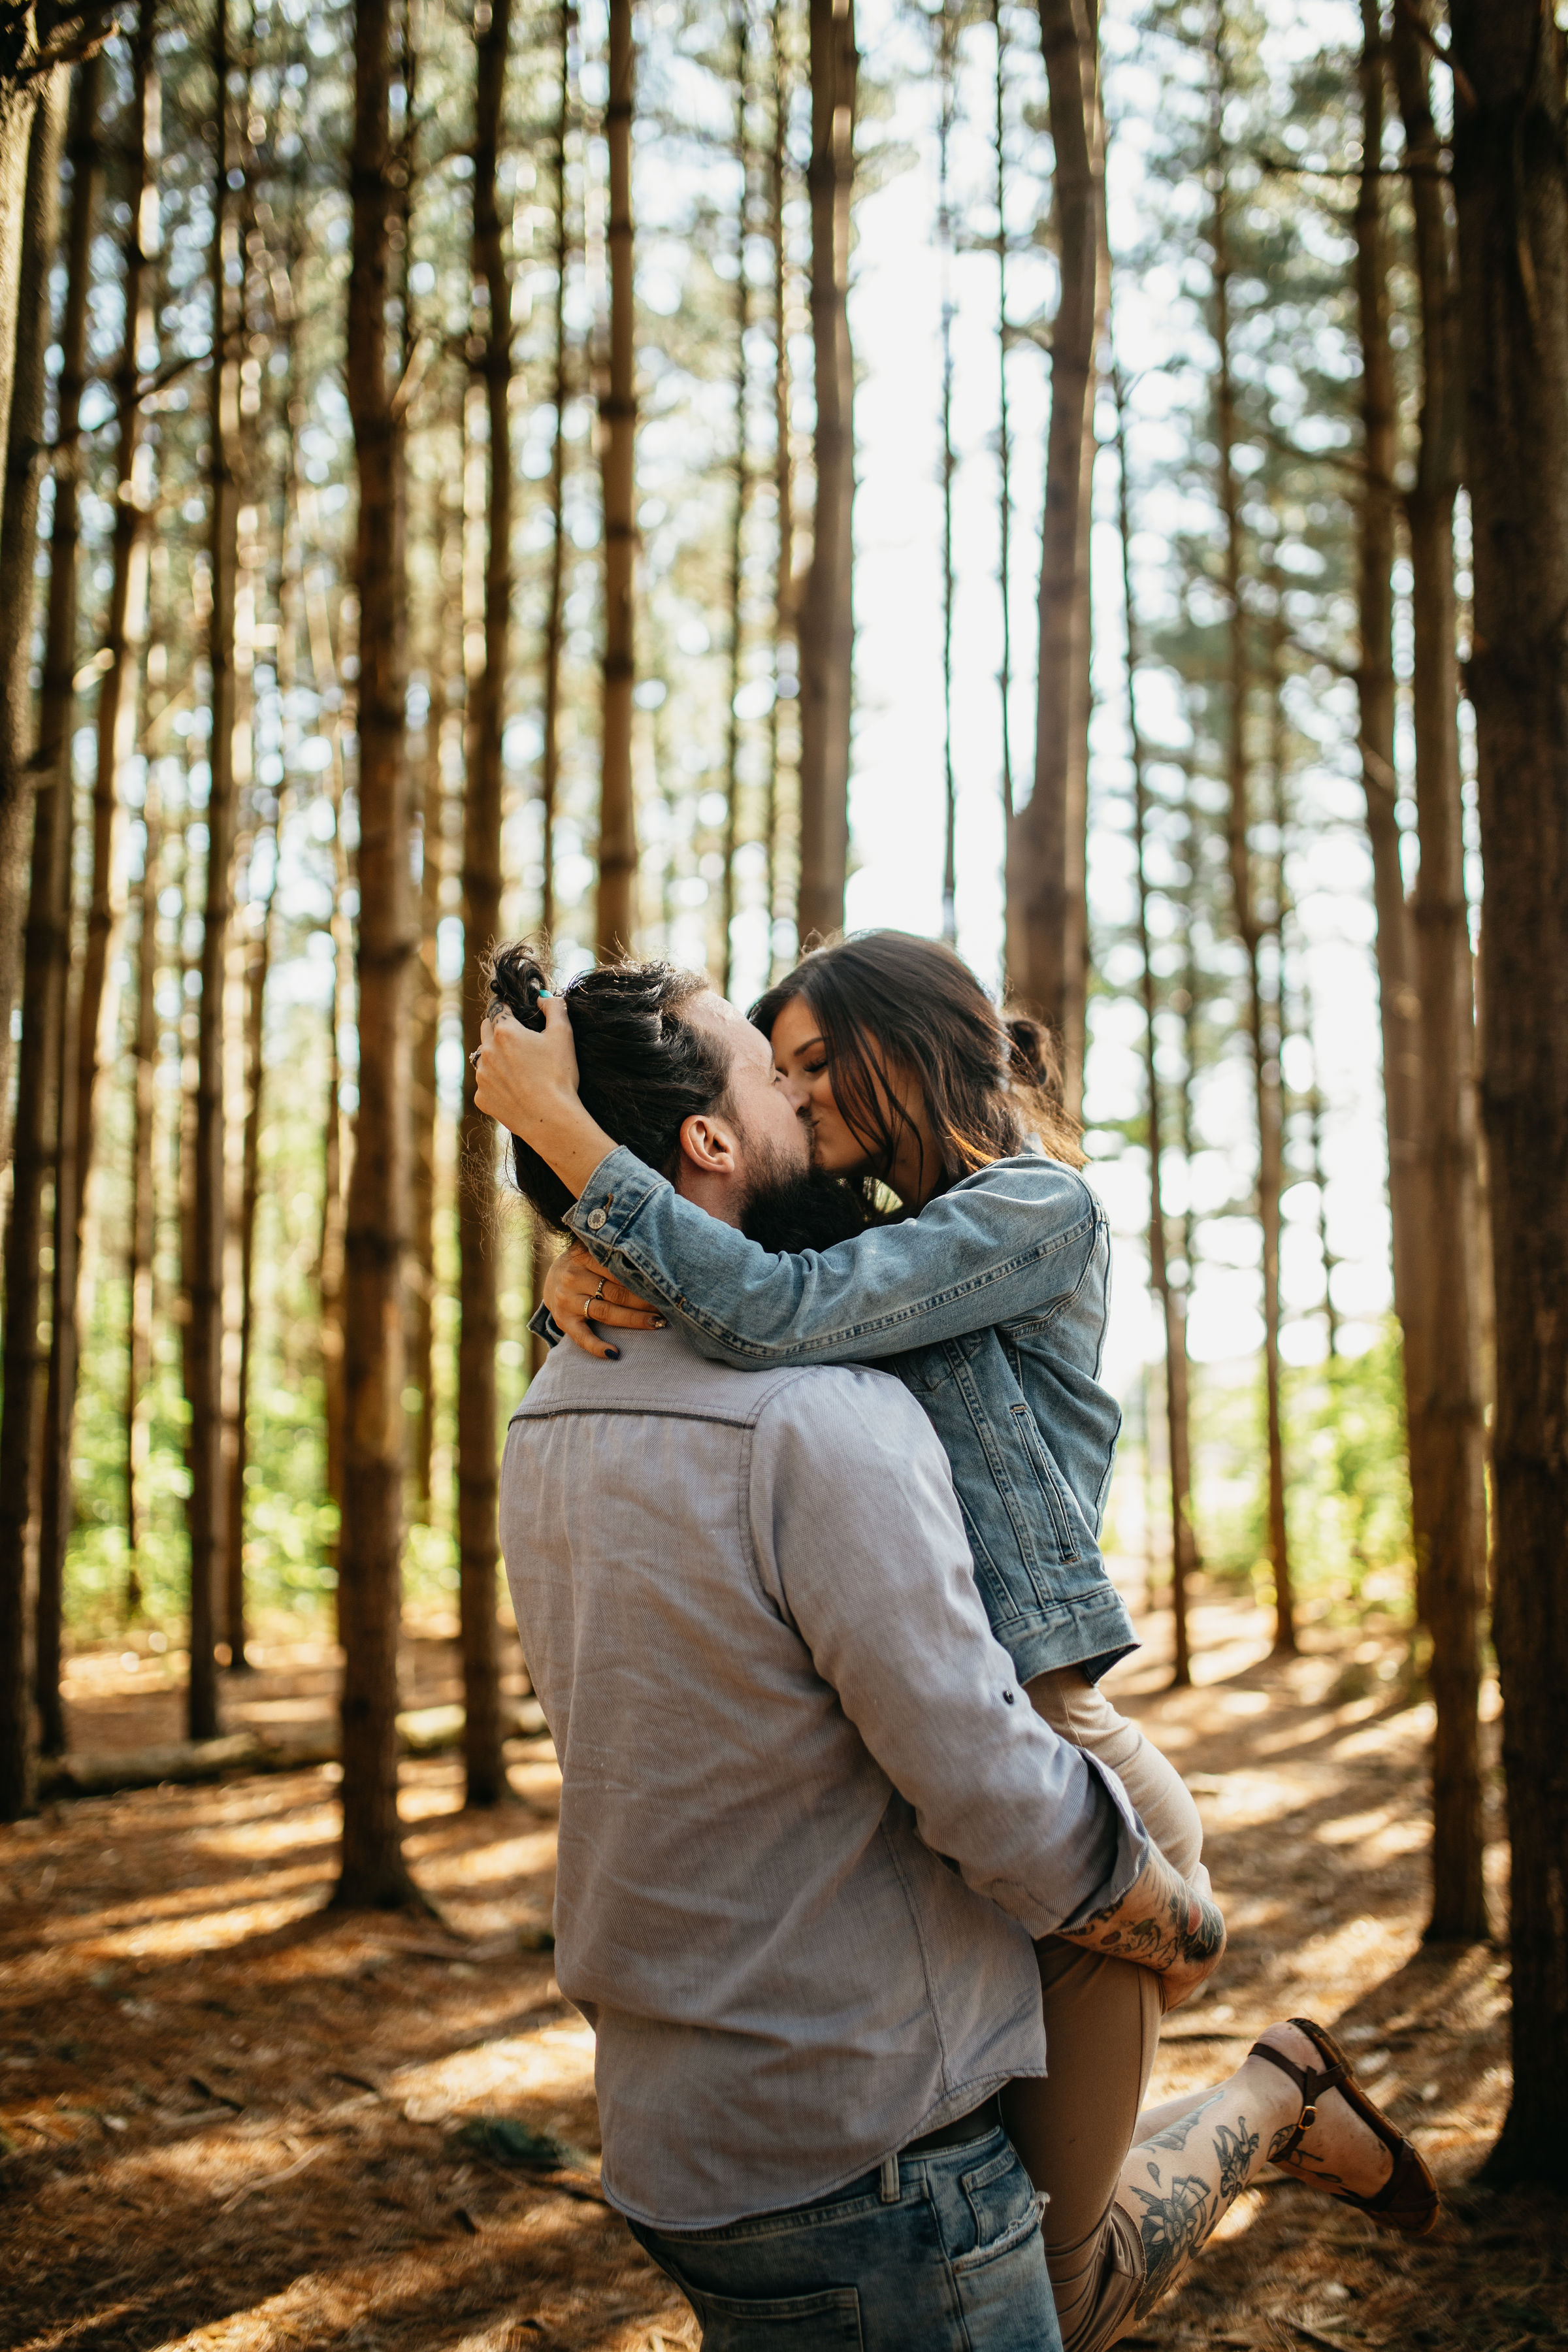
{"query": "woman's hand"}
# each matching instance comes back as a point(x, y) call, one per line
point(575, 1289)
point(522, 1076)
point(527, 1078)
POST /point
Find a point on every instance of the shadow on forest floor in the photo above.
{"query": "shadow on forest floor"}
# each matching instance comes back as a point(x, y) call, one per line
point(233, 2118)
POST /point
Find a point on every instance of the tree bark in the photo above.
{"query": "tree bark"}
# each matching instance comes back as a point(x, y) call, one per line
point(259, 965)
point(479, 1474)
point(374, 1871)
point(1004, 421)
point(1398, 1003)
point(1446, 1440)
point(425, 1037)
point(46, 780)
point(555, 626)
point(1172, 1300)
point(1512, 210)
point(739, 503)
point(207, 1511)
point(827, 613)
point(619, 414)
point(786, 657)
point(1250, 928)
point(1048, 914)
point(947, 115)
point(142, 1220)
point(22, 290)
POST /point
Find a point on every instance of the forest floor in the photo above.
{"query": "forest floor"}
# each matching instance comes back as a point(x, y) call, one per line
point(235, 2119)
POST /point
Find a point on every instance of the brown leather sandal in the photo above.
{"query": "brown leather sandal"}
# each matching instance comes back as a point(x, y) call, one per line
point(1408, 2200)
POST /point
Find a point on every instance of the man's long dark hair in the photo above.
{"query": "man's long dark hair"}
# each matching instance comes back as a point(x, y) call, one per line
point(642, 1067)
point(991, 1083)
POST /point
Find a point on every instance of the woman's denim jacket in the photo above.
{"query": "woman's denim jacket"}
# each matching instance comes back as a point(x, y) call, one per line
point(991, 1308)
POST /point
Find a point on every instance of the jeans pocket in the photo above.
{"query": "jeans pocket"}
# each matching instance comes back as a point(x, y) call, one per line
point(828, 2321)
point(1003, 2208)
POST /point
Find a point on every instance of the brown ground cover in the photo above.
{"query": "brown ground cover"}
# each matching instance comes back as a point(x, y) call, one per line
point(236, 2121)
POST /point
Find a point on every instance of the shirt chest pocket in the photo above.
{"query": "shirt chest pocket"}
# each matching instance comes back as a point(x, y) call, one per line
point(1062, 1522)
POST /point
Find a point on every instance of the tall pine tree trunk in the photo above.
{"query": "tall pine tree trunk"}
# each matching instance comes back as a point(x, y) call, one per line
point(425, 1034)
point(142, 1220)
point(374, 1871)
point(1004, 420)
point(1249, 925)
point(259, 965)
point(1512, 207)
point(740, 501)
point(947, 116)
point(618, 410)
point(1048, 913)
point(207, 1512)
point(1172, 1300)
point(49, 848)
point(478, 1466)
point(1447, 1442)
point(1397, 975)
point(786, 657)
point(554, 610)
point(826, 614)
point(29, 201)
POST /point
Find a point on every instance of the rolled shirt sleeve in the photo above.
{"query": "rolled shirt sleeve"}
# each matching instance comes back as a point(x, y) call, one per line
point(858, 1541)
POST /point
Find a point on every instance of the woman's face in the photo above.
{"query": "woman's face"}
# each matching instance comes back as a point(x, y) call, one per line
point(802, 1057)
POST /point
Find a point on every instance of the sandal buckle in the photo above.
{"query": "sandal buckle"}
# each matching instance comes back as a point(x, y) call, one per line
point(1309, 2117)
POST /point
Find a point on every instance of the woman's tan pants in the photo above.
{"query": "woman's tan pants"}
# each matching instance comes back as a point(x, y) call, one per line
point(1074, 2127)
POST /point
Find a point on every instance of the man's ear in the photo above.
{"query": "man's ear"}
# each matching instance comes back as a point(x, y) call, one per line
point(708, 1146)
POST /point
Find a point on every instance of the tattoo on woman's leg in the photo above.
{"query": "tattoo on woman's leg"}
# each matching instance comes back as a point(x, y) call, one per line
point(1175, 2225)
point(1175, 2135)
point(1236, 2150)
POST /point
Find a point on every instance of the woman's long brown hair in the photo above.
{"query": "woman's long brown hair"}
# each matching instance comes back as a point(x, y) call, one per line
point(992, 1082)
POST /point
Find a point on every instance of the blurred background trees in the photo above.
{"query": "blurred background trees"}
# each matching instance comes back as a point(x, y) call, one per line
point(459, 483)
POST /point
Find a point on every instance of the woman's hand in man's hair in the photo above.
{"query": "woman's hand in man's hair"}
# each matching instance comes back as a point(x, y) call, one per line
point(580, 1294)
point(527, 1077)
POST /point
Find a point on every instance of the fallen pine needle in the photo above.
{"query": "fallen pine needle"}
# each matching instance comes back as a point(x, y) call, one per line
point(271, 2179)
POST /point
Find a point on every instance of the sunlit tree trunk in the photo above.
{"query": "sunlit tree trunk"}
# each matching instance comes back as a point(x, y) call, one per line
point(374, 1871)
point(207, 1510)
point(30, 170)
point(786, 657)
point(1048, 914)
point(1396, 974)
point(143, 1218)
point(550, 754)
point(947, 115)
point(826, 614)
point(1511, 202)
point(477, 1467)
point(740, 499)
point(425, 1034)
point(1004, 420)
point(49, 845)
point(1172, 1301)
point(1448, 1479)
point(617, 412)
point(259, 965)
point(1251, 929)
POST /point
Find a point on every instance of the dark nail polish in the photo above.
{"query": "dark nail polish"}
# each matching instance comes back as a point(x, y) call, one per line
point(614, 1354)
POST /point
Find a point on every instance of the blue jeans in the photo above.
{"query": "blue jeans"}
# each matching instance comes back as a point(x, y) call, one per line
point(938, 2252)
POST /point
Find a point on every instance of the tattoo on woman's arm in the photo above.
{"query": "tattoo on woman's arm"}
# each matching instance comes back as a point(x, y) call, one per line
point(1182, 1925)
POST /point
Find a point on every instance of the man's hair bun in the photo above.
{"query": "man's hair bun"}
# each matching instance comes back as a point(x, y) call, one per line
point(516, 975)
point(1032, 1059)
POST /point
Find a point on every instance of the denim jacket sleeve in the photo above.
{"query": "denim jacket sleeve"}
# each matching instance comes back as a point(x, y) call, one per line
point(1015, 1239)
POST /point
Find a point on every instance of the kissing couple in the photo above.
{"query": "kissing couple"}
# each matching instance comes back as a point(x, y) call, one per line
point(873, 1900)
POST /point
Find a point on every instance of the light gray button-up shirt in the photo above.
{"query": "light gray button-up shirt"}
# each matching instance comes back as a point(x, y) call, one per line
point(747, 1604)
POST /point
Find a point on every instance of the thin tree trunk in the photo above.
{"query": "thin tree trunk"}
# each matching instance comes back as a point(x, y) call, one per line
point(828, 615)
point(786, 657)
point(1047, 916)
point(142, 1220)
point(477, 1467)
point(1004, 421)
point(49, 845)
point(947, 112)
point(1316, 1108)
point(740, 499)
point(1250, 929)
point(617, 412)
point(550, 756)
point(425, 1029)
point(1396, 974)
point(374, 1871)
point(259, 964)
point(1447, 1442)
point(1513, 208)
point(207, 1512)
point(1173, 1303)
point(29, 204)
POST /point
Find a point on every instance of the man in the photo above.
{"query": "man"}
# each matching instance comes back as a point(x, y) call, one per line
point(808, 1827)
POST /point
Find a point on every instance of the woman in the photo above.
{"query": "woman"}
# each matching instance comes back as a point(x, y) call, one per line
point(985, 1291)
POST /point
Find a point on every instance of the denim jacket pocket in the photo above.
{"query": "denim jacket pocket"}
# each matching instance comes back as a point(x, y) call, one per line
point(1061, 1511)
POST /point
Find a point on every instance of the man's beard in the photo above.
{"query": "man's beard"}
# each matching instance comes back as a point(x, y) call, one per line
point(790, 1208)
